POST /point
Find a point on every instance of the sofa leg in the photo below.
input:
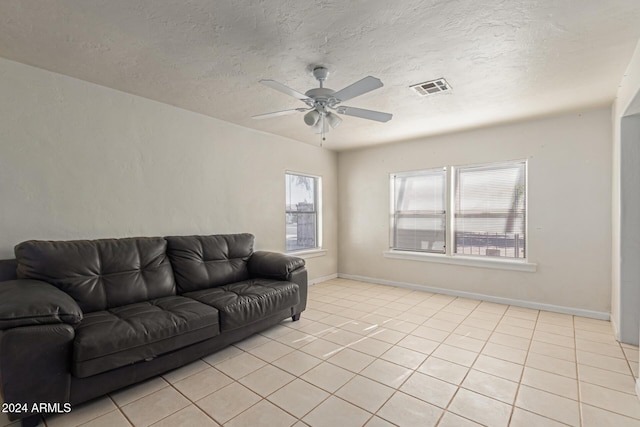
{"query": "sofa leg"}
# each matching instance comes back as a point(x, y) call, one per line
point(31, 421)
point(295, 317)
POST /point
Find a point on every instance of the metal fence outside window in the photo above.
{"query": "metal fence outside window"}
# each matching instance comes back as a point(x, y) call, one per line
point(509, 245)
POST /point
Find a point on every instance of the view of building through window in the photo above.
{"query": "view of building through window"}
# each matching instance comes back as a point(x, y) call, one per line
point(302, 200)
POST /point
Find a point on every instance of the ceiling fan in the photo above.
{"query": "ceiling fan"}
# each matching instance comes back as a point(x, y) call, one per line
point(322, 102)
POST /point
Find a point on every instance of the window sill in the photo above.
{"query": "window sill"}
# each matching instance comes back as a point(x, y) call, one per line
point(463, 260)
point(309, 253)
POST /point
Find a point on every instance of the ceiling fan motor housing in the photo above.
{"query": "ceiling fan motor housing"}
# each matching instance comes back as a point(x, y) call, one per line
point(321, 74)
point(322, 96)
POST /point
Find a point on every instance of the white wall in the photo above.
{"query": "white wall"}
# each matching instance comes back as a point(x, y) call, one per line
point(79, 160)
point(625, 293)
point(569, 209)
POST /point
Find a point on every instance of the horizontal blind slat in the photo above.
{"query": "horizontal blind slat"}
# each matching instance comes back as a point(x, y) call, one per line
point(490, 210)
point(419, 211)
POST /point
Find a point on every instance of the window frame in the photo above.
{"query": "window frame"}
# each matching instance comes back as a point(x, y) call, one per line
point(394, 211)
point(450, 257)
point(317, 180)
point(453, 193)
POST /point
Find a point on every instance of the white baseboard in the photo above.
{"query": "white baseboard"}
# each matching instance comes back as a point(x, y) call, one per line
point(519, 303)
point(323, 279)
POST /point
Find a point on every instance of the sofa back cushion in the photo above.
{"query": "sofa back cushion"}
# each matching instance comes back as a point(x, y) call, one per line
point(100, 274)
point(201, 262)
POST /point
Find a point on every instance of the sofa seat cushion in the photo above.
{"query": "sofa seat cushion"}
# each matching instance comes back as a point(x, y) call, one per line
point(246, 302)
point(123, 335)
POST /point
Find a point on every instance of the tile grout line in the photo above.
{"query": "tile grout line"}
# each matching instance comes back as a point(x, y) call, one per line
point(626, 358)
point(524, 366)
point(191, 401)
point(486, 342)
point(295, 377)
point(234, 380)
point(124, 415)
point(536, 388)
point(459, 385)
point(470, 367)
point(395, 390)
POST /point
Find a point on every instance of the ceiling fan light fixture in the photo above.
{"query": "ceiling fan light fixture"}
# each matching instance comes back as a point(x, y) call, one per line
point(334, 120)
point(322, 126)
point(312, 118)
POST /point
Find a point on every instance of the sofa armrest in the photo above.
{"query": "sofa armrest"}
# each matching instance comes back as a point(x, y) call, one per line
point(32, 302)
point(273, 265)
point(34, 361)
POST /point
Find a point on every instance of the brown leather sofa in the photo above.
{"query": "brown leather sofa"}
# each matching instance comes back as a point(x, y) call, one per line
point(79, 319)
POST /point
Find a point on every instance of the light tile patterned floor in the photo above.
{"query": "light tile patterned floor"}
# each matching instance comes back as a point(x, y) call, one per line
point(366, 354)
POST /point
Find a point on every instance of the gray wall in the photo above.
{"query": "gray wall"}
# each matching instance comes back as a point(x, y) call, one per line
point(78, 160)
point(630, 229)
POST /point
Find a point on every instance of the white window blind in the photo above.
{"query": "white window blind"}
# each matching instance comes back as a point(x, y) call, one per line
point(490, 210)
point(419, 214)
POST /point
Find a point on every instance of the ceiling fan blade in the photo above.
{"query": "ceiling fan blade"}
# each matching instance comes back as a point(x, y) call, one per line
point(278, 113)
point(358, 88)
point(364, 114)
point(284, 89)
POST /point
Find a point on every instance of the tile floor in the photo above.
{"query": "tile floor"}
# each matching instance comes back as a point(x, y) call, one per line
point(366, 354)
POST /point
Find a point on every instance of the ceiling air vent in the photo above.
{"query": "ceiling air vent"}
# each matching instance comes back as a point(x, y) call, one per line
point(432, 87)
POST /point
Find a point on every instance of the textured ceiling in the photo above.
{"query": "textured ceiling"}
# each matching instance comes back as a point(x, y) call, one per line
point(506, 60)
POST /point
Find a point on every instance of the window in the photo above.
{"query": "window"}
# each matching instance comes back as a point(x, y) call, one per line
point(490, 210)
point(487, 218)
point(302, 212)
point(419, 210)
